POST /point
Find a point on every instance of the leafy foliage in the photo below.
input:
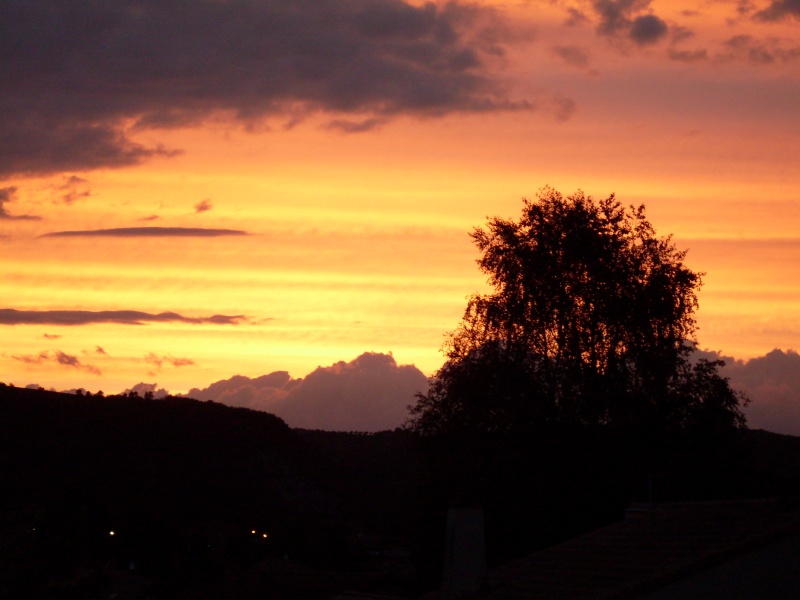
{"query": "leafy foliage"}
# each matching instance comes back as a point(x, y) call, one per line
point(590, 323)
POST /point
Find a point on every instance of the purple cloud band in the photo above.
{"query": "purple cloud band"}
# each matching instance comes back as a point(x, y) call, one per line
point(10, 316)
point(148, 232)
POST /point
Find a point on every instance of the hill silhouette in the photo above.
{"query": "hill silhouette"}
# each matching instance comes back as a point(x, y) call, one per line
point(197, 495)
point(191, 488)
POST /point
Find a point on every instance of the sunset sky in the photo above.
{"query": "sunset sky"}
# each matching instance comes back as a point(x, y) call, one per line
point(192, 189)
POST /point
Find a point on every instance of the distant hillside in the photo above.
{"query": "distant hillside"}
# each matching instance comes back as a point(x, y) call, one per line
point(189, 489)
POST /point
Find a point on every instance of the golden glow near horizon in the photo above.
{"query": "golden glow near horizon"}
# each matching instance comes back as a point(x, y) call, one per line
point(359, 241)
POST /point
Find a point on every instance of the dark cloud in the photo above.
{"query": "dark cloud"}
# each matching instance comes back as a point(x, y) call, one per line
point(80, 78)
point(10, 316)
point(8, 195)
point(573, 55)
point(58, 358)
point(369, 393)
point(622, 19)
point(613, 15)
point(159, 361)
point(148, 232)
point(51, 336)
point(772, 382)
point(149, 218)
point(647, 29)
point(779, 10)
point(203, 206)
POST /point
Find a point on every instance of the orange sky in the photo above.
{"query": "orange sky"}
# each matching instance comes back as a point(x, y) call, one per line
point(358, 170)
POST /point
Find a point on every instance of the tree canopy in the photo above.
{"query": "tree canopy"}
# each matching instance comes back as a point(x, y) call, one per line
point(591, 323)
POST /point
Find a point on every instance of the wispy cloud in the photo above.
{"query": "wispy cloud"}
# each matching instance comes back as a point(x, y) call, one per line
point(159, 361)
point(10, 316)
point(203, 206)
point(73, 189)
point(58, 358)
point(148, 232)
point(348, 126)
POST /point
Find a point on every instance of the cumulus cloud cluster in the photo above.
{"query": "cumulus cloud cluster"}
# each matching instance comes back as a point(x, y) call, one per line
point(372, 392)
point(10, 316)
point(369, 393)
point(772, 382)
point(79, 77)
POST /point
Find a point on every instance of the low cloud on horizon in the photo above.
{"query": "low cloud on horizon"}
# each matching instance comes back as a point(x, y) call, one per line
point(370, 393)
point(772, 382)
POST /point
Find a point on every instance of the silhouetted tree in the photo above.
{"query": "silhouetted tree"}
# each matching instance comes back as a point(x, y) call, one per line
point(590, 324)
point(572, 385)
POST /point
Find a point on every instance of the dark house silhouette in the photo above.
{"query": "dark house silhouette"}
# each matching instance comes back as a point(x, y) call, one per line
point(734, 550)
